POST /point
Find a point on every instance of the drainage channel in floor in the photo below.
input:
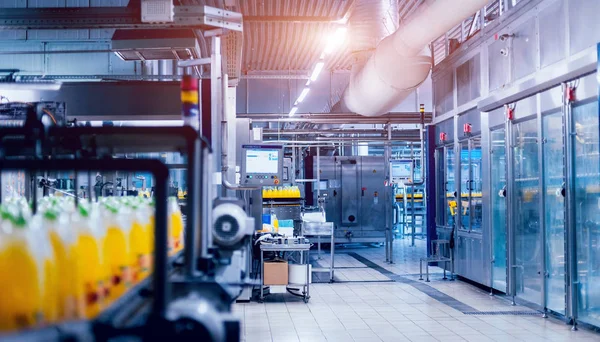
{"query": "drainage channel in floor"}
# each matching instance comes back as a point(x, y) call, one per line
point(438, 295)
point(428, 290)
point(504, 313)
point(340, 275)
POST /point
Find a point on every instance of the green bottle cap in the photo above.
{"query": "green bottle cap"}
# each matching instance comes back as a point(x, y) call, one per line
point(83, 211)
point(19, 221)
point(51, 215)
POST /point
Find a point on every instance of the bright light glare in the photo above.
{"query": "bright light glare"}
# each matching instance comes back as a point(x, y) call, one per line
point(308, 82)
point(336, 40)
point(303, 95)
point(315, 74)
point(293, 111)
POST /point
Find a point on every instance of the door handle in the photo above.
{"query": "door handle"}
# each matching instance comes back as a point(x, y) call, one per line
point(502, 192)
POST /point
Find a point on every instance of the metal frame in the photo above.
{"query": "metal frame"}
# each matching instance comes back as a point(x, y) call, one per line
point(193, 17)
point(161, 286)
point(304, 250)
point(491, 208)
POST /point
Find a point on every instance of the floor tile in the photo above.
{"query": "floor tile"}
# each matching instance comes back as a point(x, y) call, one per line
point(403, 310)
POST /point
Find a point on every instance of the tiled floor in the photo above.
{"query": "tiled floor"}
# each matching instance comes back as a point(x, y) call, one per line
point(403, 310)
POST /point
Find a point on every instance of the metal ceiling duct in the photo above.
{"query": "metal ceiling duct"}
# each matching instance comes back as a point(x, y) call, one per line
point(370, 22)
point(400, 63)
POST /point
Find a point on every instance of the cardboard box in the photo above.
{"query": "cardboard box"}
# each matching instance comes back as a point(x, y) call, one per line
point(275, 272)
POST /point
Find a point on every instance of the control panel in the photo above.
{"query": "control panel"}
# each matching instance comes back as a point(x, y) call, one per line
point(401, 170)
point(262, 165)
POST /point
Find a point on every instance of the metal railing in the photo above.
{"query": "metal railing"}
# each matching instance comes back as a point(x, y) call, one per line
point(445, 45)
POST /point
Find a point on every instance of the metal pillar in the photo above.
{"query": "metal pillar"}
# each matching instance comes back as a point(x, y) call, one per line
point(542, 204)
point(389, 194)
point(572, 280)
point(412, 197)
point(216, 108)
point(510, 192)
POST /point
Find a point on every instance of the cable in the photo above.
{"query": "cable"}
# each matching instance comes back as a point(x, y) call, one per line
point(50, 115)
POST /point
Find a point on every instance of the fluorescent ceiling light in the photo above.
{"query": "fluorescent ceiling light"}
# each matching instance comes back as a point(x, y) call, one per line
point(293, 111)
point(141, 123)
point(336, 40)
point(315, 74)
point(303, 95)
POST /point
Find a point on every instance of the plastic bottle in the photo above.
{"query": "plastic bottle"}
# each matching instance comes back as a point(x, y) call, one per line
point(115, 253)
point(139, 243)
point(89, 268)
point(175, 227)
point(20, 276)
point(63, 239)
point(275, 222)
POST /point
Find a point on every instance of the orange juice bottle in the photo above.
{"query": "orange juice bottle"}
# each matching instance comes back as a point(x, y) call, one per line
point(90, 278)
point(63, 241)
point(139, 244)
point(20, 276)
point(49, 278)
point(175, 227)
point(115, 253)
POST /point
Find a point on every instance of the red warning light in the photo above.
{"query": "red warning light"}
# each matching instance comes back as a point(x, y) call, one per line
point(443, 136)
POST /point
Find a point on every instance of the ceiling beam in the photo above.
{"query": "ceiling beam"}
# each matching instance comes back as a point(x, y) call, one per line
point(292, 19)
point(342, 118)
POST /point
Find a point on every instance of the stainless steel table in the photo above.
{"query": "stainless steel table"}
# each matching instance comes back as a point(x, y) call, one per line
point(322, 229)
point(304, 250)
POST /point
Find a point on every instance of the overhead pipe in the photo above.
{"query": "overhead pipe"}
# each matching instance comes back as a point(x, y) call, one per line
point(401, 62)
point(337, 131)
point(228, 118)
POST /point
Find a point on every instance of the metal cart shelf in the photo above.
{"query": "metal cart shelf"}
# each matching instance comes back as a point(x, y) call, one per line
point(304, 250)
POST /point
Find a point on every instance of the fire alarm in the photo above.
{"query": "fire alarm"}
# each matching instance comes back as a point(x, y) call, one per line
point(510, 112)
point(570, 94)
point(443, 136)
point(467, 128)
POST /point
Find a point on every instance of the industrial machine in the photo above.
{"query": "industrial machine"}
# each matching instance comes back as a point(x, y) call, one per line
point(190, 293)
point(353, 190)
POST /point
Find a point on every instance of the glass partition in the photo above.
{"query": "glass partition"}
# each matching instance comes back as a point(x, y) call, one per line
point(465, 177)
point(587, 210)
point(450, 185)
point(528, 247)
point(554, 210)
point(475, 205)
point(440, 178)
point(498, 201)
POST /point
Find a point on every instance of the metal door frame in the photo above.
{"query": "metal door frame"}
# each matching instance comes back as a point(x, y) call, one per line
point(511, 223)
point(491, 210)
point(458, 160)
point(562, 111)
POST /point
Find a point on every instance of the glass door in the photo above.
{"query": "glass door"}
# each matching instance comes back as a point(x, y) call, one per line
point(498, 200)
point(554, 210)
point(475, 203)
point(586, 149)
point(440, 217)
point(450, 185)
point(528, 247)
point(465, 192)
